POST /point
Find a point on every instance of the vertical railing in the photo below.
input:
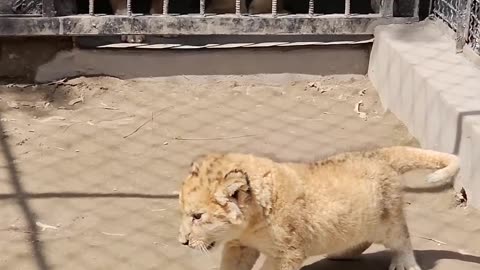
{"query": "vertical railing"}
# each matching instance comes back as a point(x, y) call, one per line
point(430, 7)
point(202, 7)
point(165, 8)
point(347, 8)
point(48, 8)
point(462, 21)
point(311, 7)
point(238, 7)
point(386, 8)
point(91, 7)
point(274, 8)
point(129, 7)
point(416, 8)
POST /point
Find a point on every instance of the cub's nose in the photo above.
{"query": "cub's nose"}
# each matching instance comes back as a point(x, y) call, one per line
point(183, 239)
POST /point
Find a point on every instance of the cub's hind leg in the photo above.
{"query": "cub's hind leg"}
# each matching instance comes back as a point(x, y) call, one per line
point(397, 239)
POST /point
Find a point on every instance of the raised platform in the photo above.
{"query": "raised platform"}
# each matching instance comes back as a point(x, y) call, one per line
point(434, 91)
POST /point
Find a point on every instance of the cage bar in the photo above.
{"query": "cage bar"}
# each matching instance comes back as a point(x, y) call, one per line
point(91, 7)
point(238, 9)
point(202, 7)
point(48, 8)
point(430, 7)
point(274, 8)
point(129, 7)
point(311, 7)
point(165, 6)
point(347, 7)
point(462, 22)
point(416, 8)
point(386, 8)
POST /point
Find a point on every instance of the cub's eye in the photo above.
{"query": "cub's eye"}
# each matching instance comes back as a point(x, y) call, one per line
point(197, 216)
point(235, 195)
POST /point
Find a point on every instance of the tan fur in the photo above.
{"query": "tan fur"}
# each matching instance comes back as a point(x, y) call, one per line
point(290, 211)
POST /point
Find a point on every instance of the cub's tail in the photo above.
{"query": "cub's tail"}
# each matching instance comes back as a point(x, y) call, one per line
point(404, 159)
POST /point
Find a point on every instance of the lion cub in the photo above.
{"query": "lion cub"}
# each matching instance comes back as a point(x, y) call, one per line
point(289, 211)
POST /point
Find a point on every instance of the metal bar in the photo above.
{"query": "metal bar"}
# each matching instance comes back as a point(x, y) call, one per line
point(444, 19)
point(274, 8)
point(165, 6)
point(311, 7)
point(195, 25)
point(473, 17)
point(386, 8)
point(48, 8)
point(430, 7)
point(347, 7)
point(238, 7)
point(91, 7)
point(452, 7)
point(462, 21)
point(202, 7)
point(416, 8)
point(129, 7)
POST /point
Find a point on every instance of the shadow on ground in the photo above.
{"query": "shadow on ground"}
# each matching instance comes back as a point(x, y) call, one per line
point(427, 259)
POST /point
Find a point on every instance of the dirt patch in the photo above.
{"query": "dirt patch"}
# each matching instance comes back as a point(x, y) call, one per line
point(91, 165)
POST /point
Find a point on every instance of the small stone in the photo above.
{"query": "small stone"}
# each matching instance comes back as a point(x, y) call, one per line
point(13, 104)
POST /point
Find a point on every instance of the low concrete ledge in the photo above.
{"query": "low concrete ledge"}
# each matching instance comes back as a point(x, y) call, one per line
point(434, 91)
point(127, 64)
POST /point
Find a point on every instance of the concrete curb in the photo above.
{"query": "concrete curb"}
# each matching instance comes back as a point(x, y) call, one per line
point(434, 91)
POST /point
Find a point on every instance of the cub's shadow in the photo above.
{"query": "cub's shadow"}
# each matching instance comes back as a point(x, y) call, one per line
point(427, 259)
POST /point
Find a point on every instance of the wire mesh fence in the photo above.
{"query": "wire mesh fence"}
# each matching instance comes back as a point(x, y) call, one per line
point(448, 11)
point(463, 18)
point(91, 166)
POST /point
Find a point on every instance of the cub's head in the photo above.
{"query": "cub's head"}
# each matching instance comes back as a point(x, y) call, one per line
point(214, 202)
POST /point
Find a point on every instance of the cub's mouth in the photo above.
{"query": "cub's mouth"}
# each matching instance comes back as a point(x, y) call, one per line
point(212, 245)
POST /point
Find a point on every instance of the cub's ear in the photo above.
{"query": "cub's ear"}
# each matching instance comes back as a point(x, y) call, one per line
point(194, 168)
point(233, 193)
point(236, 182)
point(196, 164)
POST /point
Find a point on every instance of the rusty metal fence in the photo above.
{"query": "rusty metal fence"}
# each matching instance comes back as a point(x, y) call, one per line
point(50, 21)
point(463, 17)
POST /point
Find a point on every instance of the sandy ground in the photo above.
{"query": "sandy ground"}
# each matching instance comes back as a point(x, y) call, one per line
point(90, 166)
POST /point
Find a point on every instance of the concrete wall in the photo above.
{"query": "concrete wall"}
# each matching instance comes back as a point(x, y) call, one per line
point(126, 64)
point(48, 59)
point(434, 91)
